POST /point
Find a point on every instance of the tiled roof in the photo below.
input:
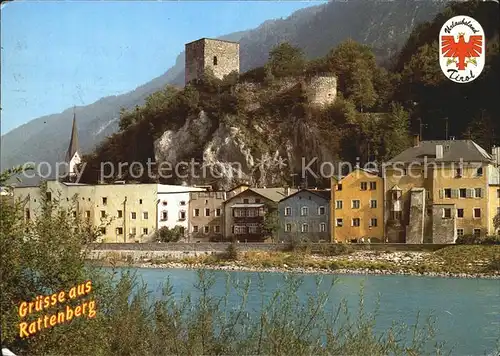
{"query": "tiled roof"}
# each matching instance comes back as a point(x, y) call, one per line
point(323, 193)
point(453, 151)
point(274, 194)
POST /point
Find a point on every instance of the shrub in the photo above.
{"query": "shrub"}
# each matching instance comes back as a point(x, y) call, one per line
point(231, 253)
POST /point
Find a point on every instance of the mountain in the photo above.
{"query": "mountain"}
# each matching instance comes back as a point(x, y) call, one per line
point(383, 25)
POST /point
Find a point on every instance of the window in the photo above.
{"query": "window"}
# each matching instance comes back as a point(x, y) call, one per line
point(460, 213)
point(182, 215)
point(206, 201)
point(196, 212)
point(355, 204)
point(339, 186)
point(140, 201)
point(373, 185)
point(477, 213)
point(207, 212)
point(460, 232)
point(322, 227)
point(104, 201)
point(87, 214)
point(356, 222)
point(478, 192)
point(338, 204)
point(479, 172)
point(182, 202)
point(446, 213)
point(288, 227)
point(206, 229)
point(288, 211)
point(498, 193)
point(215, 60)
point(305, 228)
point(257, 200)
point(164, 215)
point(364, 185)
point(103, 214)
point(164, 202)
point(195, 228)
point(459, 173)
point(217, 212)
point(245, 201)
point(477, 232)
point(339, 222)
point(145, 231)
point(120, 213)
point(396, 215)
point(304, 210)
point(145, 215)
point(447, 193)
point(373, 222)
point(373, 204)
point(321, 210)
point(463, 193)
point(133, 231)
point(119, 230)
point(133, 215)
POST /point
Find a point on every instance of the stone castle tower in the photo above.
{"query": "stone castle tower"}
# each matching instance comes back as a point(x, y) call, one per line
point(222, 57)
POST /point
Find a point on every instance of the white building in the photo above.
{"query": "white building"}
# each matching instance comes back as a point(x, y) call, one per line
point(173, 205)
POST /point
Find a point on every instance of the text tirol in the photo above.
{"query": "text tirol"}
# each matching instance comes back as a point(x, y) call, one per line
point(86, 308)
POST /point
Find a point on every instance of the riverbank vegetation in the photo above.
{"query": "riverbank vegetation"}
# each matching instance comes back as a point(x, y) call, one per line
point(460, 260)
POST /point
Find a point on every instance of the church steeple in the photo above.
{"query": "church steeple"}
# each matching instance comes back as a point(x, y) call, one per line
point(73, 143)
point(72, 155)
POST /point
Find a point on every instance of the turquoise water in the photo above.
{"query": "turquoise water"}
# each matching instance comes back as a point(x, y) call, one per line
point(467, 311)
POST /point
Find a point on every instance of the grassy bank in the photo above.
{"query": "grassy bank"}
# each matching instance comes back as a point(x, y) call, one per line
point(470, 260)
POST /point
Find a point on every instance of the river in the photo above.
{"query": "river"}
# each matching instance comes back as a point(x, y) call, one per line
point(467, 310)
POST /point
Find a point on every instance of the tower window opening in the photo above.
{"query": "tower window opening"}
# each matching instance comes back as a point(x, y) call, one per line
point(215, 60)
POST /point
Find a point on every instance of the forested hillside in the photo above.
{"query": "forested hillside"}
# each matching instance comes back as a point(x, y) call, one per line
point(376, 112)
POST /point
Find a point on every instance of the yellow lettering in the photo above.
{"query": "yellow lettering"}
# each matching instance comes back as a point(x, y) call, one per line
point(88, 286)
point(61, 298)
point(23, 309)
point(69, 313)
point(54, 299)
point(81, 289)
point(31, 306)
point(72, 293)
point(84, 305)
point(32, 328)
point(22, 329)
point(38, 303)
point(78, 311)
point(53, 320)
point(60, 317)
point(92, 311)
point(46, 302)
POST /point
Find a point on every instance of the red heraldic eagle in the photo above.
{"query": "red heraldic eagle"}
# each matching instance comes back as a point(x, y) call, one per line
point(462, 49)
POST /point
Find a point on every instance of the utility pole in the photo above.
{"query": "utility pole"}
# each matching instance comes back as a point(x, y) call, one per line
point(421, 126)
point(446, 128)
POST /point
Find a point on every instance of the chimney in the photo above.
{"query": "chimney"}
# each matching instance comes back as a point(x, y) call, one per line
point(495, 152)
point(439, 151)
point(287, 191)
point(416, 140)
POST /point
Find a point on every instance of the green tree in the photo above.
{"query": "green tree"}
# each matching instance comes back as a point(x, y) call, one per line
point(164, 234)
point(271, 225)
point(354, 65)
point(286, 60)
point(496, 222)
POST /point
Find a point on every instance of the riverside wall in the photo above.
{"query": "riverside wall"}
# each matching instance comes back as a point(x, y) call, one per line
point(144, 251)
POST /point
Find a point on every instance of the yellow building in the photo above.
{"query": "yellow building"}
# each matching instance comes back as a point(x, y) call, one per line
point(357, 206)
point(438, 190)
point(123, 212)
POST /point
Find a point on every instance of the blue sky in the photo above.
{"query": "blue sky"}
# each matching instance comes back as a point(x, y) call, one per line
point(59, 54)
